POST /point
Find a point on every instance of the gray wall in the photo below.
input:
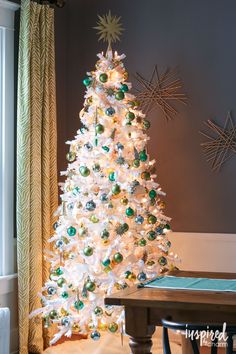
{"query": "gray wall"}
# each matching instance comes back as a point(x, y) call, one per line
point(200, 38)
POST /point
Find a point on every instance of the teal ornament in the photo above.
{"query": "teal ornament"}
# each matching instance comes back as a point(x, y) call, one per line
point(110, 111)
point(87, 81)
point(151, 235)
point(129, 212)
point(119, 95)
point(90, 206)
point(76, 191)
point(127, 273)
point(106, 148)
point(71, 231)
point(124, 88)
point(103, 77)
point(99, 128)
point(95, 335)
point(152, 194)
point(103, 197)
point(142, 276)
point(59, 271)
point(139, 219)
point(106, 262)
point(65, 295)
point(78, 305)
point(84, 171)
point(112, 176)
point(143, 156)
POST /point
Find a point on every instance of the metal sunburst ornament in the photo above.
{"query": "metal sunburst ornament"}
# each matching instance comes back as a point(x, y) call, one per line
point(109, 28)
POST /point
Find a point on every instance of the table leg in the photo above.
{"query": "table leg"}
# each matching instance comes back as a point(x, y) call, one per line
point(139, 330)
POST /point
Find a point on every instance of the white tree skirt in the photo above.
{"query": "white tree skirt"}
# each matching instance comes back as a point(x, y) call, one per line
point(108, 344)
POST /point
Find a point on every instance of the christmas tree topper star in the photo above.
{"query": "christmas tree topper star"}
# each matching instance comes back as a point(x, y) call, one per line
point(109, 28)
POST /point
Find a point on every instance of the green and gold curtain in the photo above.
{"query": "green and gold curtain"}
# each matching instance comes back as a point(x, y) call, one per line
point(36, 163)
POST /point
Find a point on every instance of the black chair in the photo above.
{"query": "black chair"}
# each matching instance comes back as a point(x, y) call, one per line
point(167, 324)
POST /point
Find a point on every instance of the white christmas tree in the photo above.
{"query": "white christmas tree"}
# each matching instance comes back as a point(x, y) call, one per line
point(111, 231)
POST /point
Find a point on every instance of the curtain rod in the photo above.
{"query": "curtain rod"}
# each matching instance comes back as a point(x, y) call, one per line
point(58, 3)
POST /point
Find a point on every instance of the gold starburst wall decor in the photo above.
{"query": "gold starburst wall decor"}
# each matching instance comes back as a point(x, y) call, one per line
point(222, 145)
point(109, 28)
point(162, 91)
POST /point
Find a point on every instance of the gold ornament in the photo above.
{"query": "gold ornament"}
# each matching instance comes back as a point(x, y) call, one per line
point(105, 242)
point(75, 328)
point(132, 277)
point(109, 28)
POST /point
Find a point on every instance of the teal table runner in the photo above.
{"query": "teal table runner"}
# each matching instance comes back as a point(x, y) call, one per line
point(187, 283)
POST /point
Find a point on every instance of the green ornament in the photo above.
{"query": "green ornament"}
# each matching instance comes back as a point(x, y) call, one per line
point(127, 122)
point(143, 156)
point(65, 295)
point(129, 212)
point(99, 128)
point(87, 81)
point(71, 231)
point(103, 78)
point(152, 219)
point(70, 156)
point(127, 273)
point(78, 305)
point(146, 124)
point(106, 148)
point(118, 258)
point(124, 88)
point(98, 311)
point(105, 234)
point(162, 261)
point(61, 282)
point(96, 167)
point(112, 176)
point(116, 189)
point(152, 194)
point(88, 251)
point(53, 314)
point(142, 242)
point(119, 95)
point(59, 271)
point(130, 116)
point(113, 327)
point(151, 235)
point(136, 163)
point(94, 219)
point(106, 262)
point(90, 286)
point(167, 226)
point(122, 228)
point(84, 171)
point(146, 175)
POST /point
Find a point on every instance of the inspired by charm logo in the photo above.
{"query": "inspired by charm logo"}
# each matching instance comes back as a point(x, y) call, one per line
point(206, 337)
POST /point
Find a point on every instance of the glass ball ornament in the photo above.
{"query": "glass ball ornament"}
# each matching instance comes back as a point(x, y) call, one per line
point(90, 286)
point(103, 77)
point(152, 194)
point(105, 234)
point(159, 230)
point(61, 282)
point(152, 219)
point(124, 88)
point(146, 124)
point(87, 81)
point(98, 311)
point(59, 243)
point(124, 201)
point(142, 242)
point(116, 189)
point(65, 321)
point(143, 156)
point(78, 305)
point(51, 290)
point(162, 261)
point(59, 271)
point(117, 258)
point(96, 167)
point(129, 212)
point(120, 146)
point(71, 231)
point(75, 328)
point(95, 335)
point(84, 171)
point(76, 191)
point(99, 128)
point(112, 176)
point(132, 277)
point(53, 314)
point(65, 295)
point(55, 225)
point(110, 111)
point(151, 235)
point(139, 219)
point(130, 116)
point(127, 273)
point(146, 175)
point(142, 276)
point(104, 197)
point(94, 219)
point(122, 228)
point(167, 226)
point(119, 95)
point(90, 206)
point(88, 251)
point(113, 327)
point(106, 262)
point(136, 163)
point(71, 156)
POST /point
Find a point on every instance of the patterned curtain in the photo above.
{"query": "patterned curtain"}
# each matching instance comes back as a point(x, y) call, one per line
point(36, 164)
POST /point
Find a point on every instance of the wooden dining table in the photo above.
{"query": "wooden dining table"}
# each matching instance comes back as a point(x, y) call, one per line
point(146, 307)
